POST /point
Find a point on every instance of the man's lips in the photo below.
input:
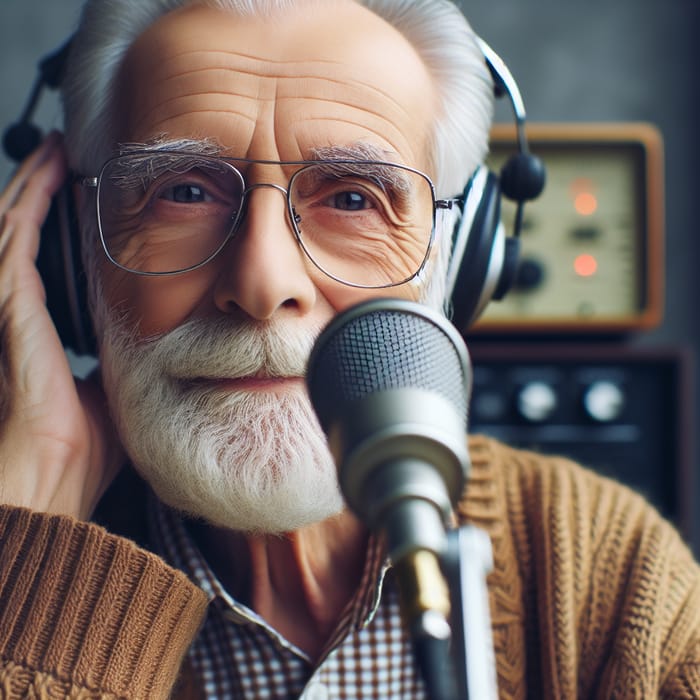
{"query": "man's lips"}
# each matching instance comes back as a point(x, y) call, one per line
point(253, 383)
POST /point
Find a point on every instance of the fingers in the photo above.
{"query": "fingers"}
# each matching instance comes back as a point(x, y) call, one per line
point(47, 437)
point(25, 202)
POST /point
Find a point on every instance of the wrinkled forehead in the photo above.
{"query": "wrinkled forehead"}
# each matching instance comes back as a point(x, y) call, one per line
point(311, 76)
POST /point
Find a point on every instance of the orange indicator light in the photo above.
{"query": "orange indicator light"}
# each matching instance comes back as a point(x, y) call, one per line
point(585, 265)
point(585, 203)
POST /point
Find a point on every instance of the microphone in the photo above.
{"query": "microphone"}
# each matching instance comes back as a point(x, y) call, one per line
point(390, 382)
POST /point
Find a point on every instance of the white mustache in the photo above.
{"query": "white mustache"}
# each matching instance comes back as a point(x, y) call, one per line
point(216, 349)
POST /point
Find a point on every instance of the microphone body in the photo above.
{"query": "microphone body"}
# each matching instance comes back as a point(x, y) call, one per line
point(401, 455)
point(390, 383)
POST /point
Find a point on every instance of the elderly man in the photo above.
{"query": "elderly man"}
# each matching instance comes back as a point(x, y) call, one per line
point(259, 166)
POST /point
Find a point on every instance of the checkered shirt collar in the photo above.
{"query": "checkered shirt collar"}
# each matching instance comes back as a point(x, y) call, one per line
point(238, 655)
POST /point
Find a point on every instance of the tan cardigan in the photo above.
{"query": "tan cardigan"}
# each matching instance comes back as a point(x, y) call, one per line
point(593, 595)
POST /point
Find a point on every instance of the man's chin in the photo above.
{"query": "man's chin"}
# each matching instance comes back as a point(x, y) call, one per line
point(269, 520)
point(255, 499)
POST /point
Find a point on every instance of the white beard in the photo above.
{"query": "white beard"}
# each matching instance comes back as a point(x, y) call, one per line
point(253, 461)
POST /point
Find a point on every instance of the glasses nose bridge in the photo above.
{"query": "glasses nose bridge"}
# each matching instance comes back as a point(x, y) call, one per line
point(260, 185)
point(243, 211)
point(256, 186)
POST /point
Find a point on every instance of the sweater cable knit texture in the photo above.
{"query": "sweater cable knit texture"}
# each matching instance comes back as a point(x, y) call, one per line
point(593, 595)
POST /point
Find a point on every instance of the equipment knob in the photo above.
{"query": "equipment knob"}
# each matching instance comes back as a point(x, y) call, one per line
point(530, 275)
point(603, 401)
point(536, 401)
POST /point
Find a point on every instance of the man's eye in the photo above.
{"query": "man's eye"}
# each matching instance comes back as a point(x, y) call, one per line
point(185, 194)
point(349, 201)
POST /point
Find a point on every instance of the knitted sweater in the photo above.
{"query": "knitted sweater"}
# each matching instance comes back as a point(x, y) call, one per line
point(592, 595)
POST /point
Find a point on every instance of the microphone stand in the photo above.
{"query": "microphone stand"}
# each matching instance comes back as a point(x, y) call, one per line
point(445, 600)
point(466, 563)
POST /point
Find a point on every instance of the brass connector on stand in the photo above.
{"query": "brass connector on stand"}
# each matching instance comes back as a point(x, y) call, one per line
point(422, 587)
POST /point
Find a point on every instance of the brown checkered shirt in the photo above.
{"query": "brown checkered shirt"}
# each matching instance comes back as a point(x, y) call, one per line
point(237, 655)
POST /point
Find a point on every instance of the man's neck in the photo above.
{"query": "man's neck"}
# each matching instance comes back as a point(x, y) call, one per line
point(299, 582)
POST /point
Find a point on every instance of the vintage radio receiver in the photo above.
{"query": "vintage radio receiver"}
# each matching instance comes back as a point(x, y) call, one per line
point(592, 244)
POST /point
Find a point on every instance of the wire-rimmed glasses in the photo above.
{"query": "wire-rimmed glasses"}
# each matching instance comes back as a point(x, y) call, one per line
point(363, 223)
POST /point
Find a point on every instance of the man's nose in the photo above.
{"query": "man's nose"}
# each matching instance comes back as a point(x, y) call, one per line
point(263, 267)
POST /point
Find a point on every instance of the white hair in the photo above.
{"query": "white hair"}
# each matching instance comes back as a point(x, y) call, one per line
point(437, 30)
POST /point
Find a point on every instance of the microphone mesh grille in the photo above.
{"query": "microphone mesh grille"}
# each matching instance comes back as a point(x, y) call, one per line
point(386, 349)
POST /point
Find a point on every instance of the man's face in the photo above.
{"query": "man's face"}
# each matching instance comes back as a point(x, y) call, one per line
point(331, 74)
point(210, 400)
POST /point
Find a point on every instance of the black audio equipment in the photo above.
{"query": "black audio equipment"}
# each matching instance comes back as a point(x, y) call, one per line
point(624, 411)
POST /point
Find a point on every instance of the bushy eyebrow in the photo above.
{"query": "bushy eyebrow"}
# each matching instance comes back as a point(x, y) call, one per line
point(389, 178)
point(204, 147)
point(139, 168)
point(149, 158)
point(360, 150)
point(339, 160)
point(355, 151)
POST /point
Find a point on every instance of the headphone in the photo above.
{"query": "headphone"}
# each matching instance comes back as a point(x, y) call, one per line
point(483, 261)
point(59, 261)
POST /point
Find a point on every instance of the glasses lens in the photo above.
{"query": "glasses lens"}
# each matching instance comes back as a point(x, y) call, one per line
point(366, 224)
point(167, 212)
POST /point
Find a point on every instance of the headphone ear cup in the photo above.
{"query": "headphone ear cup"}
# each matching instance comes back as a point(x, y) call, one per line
point(60, 266)
point(522, 177)
point(478, 249)
point(20, 139)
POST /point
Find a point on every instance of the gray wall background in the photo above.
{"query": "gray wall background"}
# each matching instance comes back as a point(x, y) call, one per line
point(628, 60)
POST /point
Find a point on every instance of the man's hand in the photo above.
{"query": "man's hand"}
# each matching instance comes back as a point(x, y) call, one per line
point(57, 446)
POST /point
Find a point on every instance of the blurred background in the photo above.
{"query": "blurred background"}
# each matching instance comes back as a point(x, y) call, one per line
point(599, 63)
point(622, 397)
